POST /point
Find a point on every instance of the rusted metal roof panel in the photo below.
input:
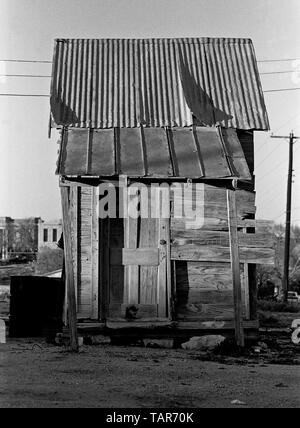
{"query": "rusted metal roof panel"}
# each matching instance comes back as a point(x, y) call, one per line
point(158, 159)
point(102, 149)
point(153, 152)
point(235, 152)
point(131, 160)
point(106, 83)
point(185, 155)
point(73, 154)
point(212, 153)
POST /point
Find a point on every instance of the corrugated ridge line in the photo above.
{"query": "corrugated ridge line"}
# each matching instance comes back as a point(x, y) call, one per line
point(114, 82)
point(181, 40)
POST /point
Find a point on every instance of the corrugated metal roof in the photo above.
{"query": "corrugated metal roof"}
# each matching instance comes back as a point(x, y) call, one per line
point(196, 152)
point(105, 83)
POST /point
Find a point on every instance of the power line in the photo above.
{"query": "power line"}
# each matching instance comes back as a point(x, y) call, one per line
point(47, 62)
point(279, 72)
point(268, 190)
point(22, 75)
point(269, 172)
point(277, 129)
point(281, 90)
point(278, 60)
point(266, 157)
point(50, 62)
point(268, 200)
point(285, 123)
point(296, 149)
point(37, 95)
point(261, 145)
point(280, 215)
point(32, 75)
point(271, 193)
point(24, 95)
point(26, 61)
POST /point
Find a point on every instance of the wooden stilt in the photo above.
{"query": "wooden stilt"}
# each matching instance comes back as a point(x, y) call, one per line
point(235, 267)
point(69, 270)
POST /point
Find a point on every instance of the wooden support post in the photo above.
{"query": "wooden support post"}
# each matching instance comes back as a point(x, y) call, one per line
point(70, 283)
point(235, 267)
point(246, 286)
point(246, 291)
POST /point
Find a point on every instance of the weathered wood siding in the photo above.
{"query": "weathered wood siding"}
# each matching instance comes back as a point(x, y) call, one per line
point(135, 272)
point(85, 249)
point(200, 254)
point(205, 291)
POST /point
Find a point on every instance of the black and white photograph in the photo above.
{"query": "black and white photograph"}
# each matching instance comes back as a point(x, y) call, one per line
point(149, 207)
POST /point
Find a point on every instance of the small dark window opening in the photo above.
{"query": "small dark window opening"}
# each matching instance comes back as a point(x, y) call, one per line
point(45, 235)
point(54, 235)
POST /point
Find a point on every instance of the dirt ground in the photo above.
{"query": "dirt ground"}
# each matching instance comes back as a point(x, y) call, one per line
point(35, 374)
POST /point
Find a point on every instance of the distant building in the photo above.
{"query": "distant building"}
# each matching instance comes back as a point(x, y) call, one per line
point(5, 236)
point(49, 233)
point(18, 236)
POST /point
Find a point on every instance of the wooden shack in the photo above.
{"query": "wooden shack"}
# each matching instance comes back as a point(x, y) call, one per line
point(177, 112)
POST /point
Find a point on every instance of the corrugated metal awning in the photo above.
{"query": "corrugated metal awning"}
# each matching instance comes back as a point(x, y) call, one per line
point(106, 83)
point(194, 152)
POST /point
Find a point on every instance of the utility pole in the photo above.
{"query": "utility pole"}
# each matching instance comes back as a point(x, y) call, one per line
point(285, 277)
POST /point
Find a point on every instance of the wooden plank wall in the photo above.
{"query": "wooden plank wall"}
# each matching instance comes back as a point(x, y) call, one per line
point(201, 255)
point(85, 249)
point(138, 272)
point(204, 291)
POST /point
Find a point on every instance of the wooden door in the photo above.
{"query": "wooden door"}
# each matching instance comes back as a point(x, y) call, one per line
point(136, 268)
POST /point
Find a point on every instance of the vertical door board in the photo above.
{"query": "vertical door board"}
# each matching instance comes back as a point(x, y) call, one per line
point(131, 272)
point(162, 269)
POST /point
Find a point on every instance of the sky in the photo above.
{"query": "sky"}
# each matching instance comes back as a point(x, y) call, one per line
point(28, 185)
